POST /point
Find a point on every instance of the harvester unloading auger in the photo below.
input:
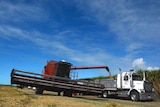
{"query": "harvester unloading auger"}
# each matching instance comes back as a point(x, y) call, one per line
point(92, 67)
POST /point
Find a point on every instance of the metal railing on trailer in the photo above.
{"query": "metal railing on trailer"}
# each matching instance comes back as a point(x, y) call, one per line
point(54, 83)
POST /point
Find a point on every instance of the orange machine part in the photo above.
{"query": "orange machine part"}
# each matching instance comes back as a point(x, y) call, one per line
point(50, 68)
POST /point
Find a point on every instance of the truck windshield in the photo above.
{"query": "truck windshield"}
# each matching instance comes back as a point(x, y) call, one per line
point(137, 77)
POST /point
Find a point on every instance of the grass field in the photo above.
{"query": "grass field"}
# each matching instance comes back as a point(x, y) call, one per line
point(14, 97)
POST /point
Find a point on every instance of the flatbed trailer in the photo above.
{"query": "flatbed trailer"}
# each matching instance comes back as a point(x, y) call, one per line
point(55, 83)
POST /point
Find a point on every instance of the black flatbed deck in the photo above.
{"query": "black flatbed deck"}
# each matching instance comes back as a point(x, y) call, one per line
point(54, 83)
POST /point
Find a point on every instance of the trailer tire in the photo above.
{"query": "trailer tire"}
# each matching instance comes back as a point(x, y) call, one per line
point(39, 91)
point(105, 94)
point(134, 96)
point(67, 93)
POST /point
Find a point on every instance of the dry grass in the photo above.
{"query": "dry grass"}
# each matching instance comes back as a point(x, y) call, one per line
point(13, 97)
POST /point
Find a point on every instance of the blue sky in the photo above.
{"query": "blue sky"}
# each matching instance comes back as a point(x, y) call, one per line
point(118, 33)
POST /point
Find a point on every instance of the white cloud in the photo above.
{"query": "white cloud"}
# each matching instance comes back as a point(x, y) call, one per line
point(17, 12)
point(8, 32)
point(58, 47)
point(153, 68)
point(135, 26)
point(139, 64)
point(134, 47)
point(132, 29)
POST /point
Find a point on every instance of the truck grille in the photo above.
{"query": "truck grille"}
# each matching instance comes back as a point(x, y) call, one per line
point(148, 86)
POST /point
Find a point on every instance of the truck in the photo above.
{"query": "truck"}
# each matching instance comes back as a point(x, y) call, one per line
point(56, 77)
point(130, 85)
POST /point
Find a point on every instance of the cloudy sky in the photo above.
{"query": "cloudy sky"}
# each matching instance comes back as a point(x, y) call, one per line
point(118, 33)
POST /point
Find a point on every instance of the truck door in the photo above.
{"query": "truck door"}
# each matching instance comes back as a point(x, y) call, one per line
point(126, 81)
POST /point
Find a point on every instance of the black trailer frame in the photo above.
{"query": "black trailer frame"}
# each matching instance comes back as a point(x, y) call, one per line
point(54, 83)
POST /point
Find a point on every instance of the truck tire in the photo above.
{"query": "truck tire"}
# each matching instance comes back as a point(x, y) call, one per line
point(39, 91)
point(134, 96)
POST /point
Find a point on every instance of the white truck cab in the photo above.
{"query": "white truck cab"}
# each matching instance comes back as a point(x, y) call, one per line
point(129, 84)
point(137, 86)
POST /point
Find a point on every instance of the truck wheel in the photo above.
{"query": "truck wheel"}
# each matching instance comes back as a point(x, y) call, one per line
point(134, 96)
point(39, 91)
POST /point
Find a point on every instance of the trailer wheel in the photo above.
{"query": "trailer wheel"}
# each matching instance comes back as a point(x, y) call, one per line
point(67, 93)
point(39, 91)
point(105, 94)
point(134, 96)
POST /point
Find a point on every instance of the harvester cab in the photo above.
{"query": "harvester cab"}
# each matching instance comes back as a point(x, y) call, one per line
point(59, 69)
